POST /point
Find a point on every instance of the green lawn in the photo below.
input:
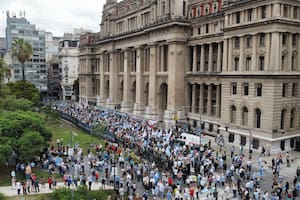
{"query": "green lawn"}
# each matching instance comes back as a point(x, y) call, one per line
point(31, 197)
point(5, 178)
point(62, 130)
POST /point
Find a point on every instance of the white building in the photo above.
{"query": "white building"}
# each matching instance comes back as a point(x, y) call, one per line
point(68, 63)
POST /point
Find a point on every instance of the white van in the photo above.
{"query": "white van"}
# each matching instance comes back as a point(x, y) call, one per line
point(192, 139)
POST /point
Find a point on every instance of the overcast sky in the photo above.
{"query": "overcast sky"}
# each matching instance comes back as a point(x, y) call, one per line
point(56, 16)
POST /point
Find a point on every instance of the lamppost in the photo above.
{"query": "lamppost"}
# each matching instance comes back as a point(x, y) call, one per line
point(114, 162)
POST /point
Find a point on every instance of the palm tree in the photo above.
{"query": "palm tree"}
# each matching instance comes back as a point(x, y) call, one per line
point(22, 50)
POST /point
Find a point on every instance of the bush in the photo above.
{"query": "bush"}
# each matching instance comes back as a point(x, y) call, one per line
point(2, 197)
point(82, 193)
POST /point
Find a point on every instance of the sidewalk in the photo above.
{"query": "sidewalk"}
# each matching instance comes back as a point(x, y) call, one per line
point(9, 191)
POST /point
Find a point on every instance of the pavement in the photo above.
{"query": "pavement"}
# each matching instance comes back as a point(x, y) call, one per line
point(286, 172)
point(9, 191)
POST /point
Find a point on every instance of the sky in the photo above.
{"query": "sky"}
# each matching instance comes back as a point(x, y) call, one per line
point(56, 16)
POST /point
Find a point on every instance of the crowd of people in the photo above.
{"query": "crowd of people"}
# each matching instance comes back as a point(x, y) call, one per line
point(152, 164)
point(189, 173)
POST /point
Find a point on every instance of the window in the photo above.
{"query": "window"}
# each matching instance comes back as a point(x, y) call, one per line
point(294, 63)
point(245, 116)
point(294, 39)
point(263, 12)
point(284, 39)
point(255, 143)
point(233, 88)
point(243, 140)
point(199, 30)
point(206, 10)
point(233, 114)
point(206, 28)
point(245, 89)
point(248, 42)
point(294, 90)
point(231, 137)
point(192, 31)
point(261, 64)
point(258, 89)
point(282, 119)
point(249, 14)
point(198, 12)
point(257, 118)
point(215, 7)
point(292, 118)
point(248, 63)
point(236, 64)
point(262, 39)
point(215, 27)
point(237, 43)
point(285, 10)
point(295, 13)
point(237, 17)
point(284, 89)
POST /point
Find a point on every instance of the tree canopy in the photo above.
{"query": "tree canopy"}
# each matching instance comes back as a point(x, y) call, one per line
point(16, 89)
point(24, 133)
point(22, 50)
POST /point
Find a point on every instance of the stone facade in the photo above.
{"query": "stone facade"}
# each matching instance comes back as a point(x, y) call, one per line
point(231, 66)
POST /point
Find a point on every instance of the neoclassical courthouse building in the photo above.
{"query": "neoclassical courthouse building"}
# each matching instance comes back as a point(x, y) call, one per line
point(232, 66)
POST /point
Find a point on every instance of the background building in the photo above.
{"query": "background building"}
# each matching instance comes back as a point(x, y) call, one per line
point(35, 70)
point(231, 67)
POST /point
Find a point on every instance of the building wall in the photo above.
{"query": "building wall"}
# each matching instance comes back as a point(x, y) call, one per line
point(36, 70)
point(221, 65)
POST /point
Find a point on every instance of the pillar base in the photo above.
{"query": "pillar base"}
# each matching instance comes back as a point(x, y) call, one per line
point(101, 102)
point(151, 113)
point(169, 119)
point(139, 109)
point(126, 107)
point(112, 105)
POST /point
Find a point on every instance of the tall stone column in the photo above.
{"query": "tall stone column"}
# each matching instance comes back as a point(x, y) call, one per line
point(210, 58)
point(127, 100)
point(201, 98)
point(219, 57)
point(113, 80)
point(298, 54)
point(230, 54)
point(194, 58)
point(177, 58)
point(275, 52)
point(209, 99)
point(290, 52)
point(225, 55)
point(139, 106)
point(202, 59)
point(267, 56)
point(194, 98)
point(241, 63)
point(152, 109)
point(254, 56)
point(102, 82)
point(218, 100)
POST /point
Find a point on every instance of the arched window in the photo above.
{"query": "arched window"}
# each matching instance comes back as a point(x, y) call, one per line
point(257, 118)
point(233, 114)
point(282, 119)
point(292, 118)
point(245, 116)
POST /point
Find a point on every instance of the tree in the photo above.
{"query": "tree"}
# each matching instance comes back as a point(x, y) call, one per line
point(21, 130)
point(99, 129)
point(22, 50)
point(32, 93)
point(10, 103)
point(31, 139)
point(4, 70)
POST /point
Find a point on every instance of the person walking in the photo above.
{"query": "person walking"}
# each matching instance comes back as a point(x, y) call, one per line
point(19, 186)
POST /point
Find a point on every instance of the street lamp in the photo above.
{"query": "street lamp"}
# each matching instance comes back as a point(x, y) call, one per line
point(114, 162)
